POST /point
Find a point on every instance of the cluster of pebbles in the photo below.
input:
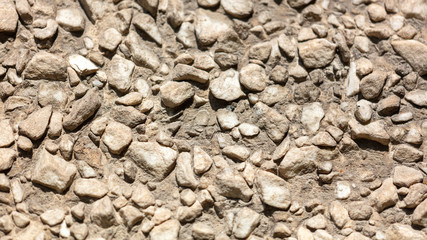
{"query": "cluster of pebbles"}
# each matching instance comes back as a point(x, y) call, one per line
point(213, 119)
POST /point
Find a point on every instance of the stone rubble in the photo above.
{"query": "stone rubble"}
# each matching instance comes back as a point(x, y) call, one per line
point(213, 119)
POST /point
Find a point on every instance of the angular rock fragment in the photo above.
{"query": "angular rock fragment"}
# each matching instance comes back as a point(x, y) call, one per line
point(147, 24)
point(119, 73)
point(131, 215)
point(311, 116)
point(226, 87)
point(110, 39)
point(316, 53)
point(405, 176)
point(298, 161)
point(90, 188)
point(149, 5)
point(398, 231)
point(175, 12)
point(417, 97)
point(273, 190)
point(157, 161)
point(238, 8)
point(7, 156)
point(233, 185)
point(373, 131)
point(52, 94)
point(35, 125)
point(44, 65)
point(142, 55)
point(70, 19)
point(339, 214)
point(371, 86)
point(24, 10)
point(406, 154)
point(185, 72)
point(82, 65)
point(102, 213)
point(385, 196)
point(6, 134)
point(49, 29)
point(166, 231)
point(202, 161)
point(82, 110)
point(8, 16)
point(53, 217)
point(142, 197)
point(419, 216)
point(253, 77)
point(414, 52)
point(238, 152)
point(184, 171)
point(246, 220)
point(53, 172)
point(174, 94)
point(275, 124)
point(117, 137)
point(94, 9)
point(210, 25)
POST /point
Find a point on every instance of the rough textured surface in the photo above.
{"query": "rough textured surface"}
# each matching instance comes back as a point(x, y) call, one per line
point(213, 119)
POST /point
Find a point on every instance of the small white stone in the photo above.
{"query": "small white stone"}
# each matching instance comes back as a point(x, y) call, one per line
point(82, 65)
point(342, 190)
